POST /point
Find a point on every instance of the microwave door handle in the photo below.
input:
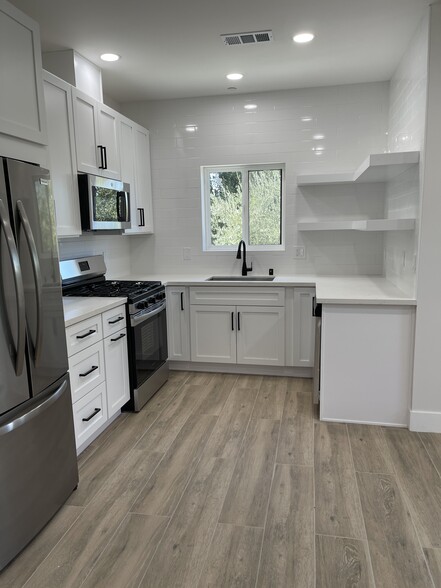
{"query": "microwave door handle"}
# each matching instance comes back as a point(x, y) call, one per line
point(19, 290)
point(127, 204)
point(118, 206)
point(24, 222)
point(122, 208)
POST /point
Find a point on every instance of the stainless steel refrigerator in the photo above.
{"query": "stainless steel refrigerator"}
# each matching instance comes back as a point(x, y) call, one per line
point(38, 466)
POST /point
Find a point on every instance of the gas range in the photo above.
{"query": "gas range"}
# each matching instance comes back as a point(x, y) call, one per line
point(146, 321)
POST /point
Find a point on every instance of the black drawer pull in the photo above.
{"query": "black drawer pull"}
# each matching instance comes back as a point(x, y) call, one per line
point(94, 367)
point(238, 321)
point(91, 332)
point(182, 300)
point(118, 338)
point(95, 412)
point(120, 318)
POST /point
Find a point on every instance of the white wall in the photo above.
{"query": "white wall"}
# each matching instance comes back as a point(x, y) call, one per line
point(116, 250)
point(426, 401)
point(354, 121)
point(407, 118)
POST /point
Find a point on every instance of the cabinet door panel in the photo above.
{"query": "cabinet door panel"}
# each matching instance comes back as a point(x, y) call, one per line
point(213, 334)
point(117, 371)
point(260, 335)
point(304, 327)
point(178, 324)
point(86, 132)
point(63, 164)
point(109, 139)
point(22, 112)
point(143, 179)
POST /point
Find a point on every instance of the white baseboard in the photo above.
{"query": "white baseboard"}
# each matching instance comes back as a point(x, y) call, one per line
point(226, 368)
point(361, 422)
point(425, 422)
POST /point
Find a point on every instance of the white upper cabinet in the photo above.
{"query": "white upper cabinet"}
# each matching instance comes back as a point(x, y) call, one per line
point(96, 137)
point(62, 158)
point(22, 113)
point(135, 169)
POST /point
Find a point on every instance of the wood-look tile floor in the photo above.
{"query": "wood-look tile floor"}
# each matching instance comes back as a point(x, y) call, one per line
point(226, 480)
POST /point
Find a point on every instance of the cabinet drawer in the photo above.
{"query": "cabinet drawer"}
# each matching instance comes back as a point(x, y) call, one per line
point(87, 370)
point(114, 320)
point(117, 371)
point(238, 295)
point(90, 413)
point(84, 334)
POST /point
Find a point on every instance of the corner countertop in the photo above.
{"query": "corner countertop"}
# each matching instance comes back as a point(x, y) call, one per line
point(78, 309)
point(329, 289)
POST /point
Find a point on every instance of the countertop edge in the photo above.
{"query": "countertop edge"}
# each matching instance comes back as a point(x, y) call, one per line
point(77, 309)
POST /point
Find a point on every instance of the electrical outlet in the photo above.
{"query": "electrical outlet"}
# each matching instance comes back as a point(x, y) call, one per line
point(186, 253)
point(299, 252)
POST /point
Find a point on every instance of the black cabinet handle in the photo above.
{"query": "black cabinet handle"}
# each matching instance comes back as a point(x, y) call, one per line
point(95, 412)
point(232, 321)
point(238, 321)
point(182, 300)
point(105, 157)
point(120, 318)
point(91, 332)
point(118, 338)
point(313, 306)
point(101, 148)
point(94, 367)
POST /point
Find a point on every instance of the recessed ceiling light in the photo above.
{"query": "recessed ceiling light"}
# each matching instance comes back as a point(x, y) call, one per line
point(303, 37)
point(318, 149)
point(318, 137)
point(234, 76)
point(191, 128)
point(306, 118)
point(110, 57)
point(250, 106)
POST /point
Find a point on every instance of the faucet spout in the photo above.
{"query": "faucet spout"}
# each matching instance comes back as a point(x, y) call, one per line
point(245, 268)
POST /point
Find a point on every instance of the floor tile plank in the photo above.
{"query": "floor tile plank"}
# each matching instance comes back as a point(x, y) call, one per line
point(245, 381)
point(126, 558)
point(420, 481)
point(297, 432)
point(219, 390)
point(337, 505)
point(74, 556)
point(432, 443)
point(24, 565)
point(288, 548)
point(370, 450)
point(247, 497)
point(271, 399)
point(165, 488)
point(433, 558)
point(233, 558)
point(232, 423)
point(182, 552)
point(397, 558)
point(342, 562)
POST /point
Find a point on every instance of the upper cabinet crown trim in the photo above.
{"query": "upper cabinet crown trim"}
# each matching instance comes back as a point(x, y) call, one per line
point(380, 167)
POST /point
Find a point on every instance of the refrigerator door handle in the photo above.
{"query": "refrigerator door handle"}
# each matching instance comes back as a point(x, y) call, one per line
point(19, 290)
point(28, 415)
point(37, 277)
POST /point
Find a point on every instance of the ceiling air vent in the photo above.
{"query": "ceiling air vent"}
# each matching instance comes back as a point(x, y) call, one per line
point(248, 38)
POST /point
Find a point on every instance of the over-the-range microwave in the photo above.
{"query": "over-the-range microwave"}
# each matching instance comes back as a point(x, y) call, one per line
point(104, 203)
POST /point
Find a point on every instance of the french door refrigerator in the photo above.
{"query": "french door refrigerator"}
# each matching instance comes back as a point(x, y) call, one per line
point(38, 466)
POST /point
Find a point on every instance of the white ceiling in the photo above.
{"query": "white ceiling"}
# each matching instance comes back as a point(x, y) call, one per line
point(172, 48)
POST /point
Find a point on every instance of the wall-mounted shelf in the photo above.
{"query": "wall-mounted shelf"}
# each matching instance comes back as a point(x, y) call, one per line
point(383, 224)
point(380, 167)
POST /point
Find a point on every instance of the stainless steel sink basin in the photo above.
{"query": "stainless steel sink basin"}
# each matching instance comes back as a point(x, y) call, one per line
point(240, 279)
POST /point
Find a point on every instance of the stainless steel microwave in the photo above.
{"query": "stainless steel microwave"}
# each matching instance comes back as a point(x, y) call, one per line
point(104, 203)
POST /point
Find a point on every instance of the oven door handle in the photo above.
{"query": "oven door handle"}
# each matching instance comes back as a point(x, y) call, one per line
point(137, 320)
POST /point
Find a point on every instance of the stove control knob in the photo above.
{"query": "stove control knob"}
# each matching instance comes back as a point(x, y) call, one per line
point(140, 305)
point(151, 300)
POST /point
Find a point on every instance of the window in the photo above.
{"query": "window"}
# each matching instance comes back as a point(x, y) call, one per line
point(243, 202)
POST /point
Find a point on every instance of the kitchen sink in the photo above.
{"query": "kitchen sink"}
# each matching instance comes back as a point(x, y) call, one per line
point(240, 279)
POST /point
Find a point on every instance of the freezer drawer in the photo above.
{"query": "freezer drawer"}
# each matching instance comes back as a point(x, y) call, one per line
point(38, 466)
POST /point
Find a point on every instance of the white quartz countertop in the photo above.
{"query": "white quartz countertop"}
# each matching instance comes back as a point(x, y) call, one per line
point(78, 309)
point(329, 289)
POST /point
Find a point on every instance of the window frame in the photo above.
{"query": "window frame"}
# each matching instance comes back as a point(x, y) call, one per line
point(206, 212)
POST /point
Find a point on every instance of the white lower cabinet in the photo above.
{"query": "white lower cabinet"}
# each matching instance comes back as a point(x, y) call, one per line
point(300, 327)
point(117, 371)
point(99, 372)
point(253, 335)
point(178, 323)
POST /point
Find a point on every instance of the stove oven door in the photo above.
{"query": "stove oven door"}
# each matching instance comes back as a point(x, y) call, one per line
point(148, 345)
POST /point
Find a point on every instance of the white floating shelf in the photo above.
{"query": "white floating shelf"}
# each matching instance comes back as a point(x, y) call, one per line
point(380, 167)
point(383, 224)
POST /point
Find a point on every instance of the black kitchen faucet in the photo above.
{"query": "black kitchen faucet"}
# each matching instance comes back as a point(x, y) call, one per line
point(245, 268)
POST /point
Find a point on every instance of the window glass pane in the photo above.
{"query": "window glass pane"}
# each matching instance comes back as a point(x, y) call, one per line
point(265, 206)
point(226, 207)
